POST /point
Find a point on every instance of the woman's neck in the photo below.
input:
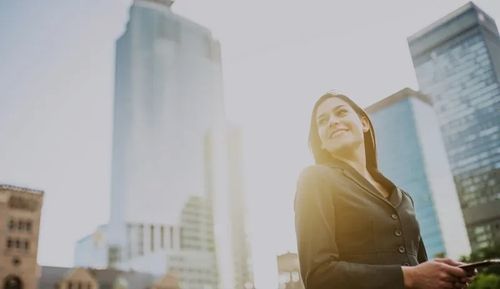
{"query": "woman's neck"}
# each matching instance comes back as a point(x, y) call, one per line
point(357, 160)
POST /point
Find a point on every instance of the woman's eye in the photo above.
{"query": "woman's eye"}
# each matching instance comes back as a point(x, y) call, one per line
point(322, 121)
point(342, 112)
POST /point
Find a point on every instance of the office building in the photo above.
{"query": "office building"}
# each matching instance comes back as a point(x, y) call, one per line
point(168, 96)
point(186, 250)
point(457, 63)
point(240, 247)
point(170, 200)
point(411, 153)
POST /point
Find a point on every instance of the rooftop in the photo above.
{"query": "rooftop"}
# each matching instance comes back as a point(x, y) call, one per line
point(397, 97)
point(5, 187)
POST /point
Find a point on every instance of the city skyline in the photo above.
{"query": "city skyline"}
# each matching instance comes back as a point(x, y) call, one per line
point(86, 136)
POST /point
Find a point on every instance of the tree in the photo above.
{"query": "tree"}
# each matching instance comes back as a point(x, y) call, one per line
point(486, 281)
point(488, 278)
point(484, 254)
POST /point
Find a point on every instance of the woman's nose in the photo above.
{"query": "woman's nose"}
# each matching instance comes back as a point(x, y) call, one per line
point(333, 121)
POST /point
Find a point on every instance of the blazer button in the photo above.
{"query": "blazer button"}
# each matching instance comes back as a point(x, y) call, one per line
point(397, 233)
point(401, 249)
point(394, 216)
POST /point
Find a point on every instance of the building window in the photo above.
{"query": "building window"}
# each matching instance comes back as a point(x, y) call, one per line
point(18, 244)
point(171, 237)
point(20, 225)
point(28, 226)
point(152, 237)
point(26, 245)
point(80, 285)
point(183, 238)
point(12, 224)
point(141, 240)
point(10, 243)
point(70, 285)
point(162, 237)
point(129, 238)
point(13, 282)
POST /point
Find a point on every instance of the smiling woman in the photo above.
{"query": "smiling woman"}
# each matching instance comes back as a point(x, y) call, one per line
point(355, 228)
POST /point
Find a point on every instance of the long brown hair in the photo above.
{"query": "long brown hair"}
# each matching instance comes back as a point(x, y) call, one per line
point(321, 156)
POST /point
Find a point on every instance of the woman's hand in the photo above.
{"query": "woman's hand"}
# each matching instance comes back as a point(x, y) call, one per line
point(441, 273)
point(471, 274)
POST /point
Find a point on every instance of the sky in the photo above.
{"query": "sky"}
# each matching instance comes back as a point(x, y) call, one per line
point(56, 90)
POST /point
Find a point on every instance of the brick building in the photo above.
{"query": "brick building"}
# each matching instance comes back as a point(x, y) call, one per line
point(19, 226)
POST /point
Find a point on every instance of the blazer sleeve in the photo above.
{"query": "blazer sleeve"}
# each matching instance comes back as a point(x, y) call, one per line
point(422, 253)
point(320, 263)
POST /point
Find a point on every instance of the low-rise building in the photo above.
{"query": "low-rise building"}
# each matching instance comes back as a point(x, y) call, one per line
point(20, 210)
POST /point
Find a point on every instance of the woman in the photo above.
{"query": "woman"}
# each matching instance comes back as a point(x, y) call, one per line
point(355, 228)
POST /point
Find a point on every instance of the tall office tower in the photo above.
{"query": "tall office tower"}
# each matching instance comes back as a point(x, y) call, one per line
point(411, 153)
point(168, 97)
point(239, 239)
point(230, 231)
point(20, 210)
point(457, 63)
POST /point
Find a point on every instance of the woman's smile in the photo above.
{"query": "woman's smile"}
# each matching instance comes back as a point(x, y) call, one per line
point(337, 132)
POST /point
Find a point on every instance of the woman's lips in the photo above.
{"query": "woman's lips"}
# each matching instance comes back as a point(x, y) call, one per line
point(337, 132)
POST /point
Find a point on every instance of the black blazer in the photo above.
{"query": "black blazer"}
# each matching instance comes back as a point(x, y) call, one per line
point(349, 235)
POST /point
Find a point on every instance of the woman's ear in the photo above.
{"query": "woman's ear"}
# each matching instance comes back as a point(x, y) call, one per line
point(365, 124)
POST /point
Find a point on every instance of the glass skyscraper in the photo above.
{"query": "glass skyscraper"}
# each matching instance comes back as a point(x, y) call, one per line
point(411, 152)
point(176, 195)
point(168, 97)
point(457, 63)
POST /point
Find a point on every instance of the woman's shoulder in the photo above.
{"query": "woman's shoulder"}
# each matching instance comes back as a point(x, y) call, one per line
point(319, 182)
point(318, 171)
point(407, 195)
point(319, 174)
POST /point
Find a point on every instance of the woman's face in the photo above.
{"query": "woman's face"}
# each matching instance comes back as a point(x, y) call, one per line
point(340, 129)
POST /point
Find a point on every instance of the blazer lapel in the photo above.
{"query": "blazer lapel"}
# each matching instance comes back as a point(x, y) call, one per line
point(357, 178)
point(365, 185)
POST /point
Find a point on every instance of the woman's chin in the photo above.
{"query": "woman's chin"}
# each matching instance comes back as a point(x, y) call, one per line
point(340, 151)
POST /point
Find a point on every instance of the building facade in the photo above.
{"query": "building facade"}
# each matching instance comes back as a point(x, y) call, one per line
point(20, 210)
point(457, 63)
point(412, 154)
point(92, 250)
point(168, 96)
point(186, 250)
point(78, 278)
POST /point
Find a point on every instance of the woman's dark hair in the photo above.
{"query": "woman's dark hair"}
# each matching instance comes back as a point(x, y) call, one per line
point(322, 156)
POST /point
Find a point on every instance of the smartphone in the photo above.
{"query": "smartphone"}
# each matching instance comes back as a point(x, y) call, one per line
point(481, 264)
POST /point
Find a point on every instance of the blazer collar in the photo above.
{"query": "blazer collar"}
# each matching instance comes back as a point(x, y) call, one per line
point(395, 196)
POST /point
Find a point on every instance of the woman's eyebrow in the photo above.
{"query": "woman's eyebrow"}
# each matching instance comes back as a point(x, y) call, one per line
point(333, 109)
point(338, 106)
